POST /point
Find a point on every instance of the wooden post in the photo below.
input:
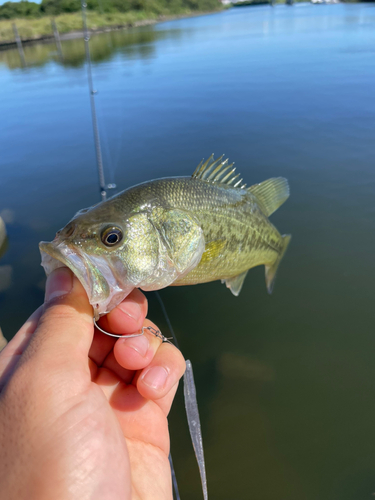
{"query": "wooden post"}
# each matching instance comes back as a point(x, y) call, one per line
point(57, 38)
point(19, 44)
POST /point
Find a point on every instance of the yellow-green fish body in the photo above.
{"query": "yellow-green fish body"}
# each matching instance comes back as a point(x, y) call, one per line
point(173, 231)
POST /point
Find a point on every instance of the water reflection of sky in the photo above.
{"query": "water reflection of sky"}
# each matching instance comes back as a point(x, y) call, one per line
point(284, 382)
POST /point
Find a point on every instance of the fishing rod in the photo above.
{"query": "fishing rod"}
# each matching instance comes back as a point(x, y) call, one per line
point(98, 150)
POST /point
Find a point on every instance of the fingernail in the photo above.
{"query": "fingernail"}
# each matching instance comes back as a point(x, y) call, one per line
point(139, 344)
point(59, 283)
point(156, 377)
point(131, 309)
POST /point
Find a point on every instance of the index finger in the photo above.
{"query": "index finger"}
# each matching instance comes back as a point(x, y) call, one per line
point(126, 318)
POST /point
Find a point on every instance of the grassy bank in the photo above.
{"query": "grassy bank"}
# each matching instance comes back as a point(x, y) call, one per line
point(66, 23)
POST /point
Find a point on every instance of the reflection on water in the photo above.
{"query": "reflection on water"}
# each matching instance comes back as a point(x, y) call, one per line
point(3, 244)
point(3, 237)
point(5, 277)
point(284, 382)
point(236, 366)
point(6, 216)
point(131, 44)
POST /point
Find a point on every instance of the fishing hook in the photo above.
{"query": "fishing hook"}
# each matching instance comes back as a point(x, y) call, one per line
point(151, 329)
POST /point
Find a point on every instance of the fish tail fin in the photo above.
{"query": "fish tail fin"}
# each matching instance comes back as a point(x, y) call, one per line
point(270, 194)
point(272, 269)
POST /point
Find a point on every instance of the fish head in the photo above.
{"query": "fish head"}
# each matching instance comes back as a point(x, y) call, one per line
point(90, 248)
point(112, 255)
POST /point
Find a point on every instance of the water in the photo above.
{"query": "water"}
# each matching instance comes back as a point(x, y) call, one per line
point(285, 383)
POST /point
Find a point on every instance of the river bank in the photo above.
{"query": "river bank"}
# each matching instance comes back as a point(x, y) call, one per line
point(69, 26)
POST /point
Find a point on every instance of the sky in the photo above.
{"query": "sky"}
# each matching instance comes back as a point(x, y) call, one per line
point(36, 1)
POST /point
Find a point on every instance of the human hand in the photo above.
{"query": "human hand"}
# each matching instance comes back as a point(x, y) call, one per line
point(83, 415)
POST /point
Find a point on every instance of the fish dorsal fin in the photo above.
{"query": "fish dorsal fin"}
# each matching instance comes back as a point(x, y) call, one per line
point(270, 194)
point(218, 172)
point(235, 283)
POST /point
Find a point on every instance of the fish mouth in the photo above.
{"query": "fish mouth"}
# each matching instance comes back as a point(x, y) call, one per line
point(104, 288)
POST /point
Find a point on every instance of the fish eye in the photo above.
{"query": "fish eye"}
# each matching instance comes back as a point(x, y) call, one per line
point(111, 236)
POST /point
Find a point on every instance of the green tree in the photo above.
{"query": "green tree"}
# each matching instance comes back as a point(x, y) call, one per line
point(10, 10)
point(56, 7)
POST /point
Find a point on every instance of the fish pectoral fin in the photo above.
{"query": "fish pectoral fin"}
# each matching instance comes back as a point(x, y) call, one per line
point(270, 194)
point(182, 237)
point(272, 269)
point(235, 284)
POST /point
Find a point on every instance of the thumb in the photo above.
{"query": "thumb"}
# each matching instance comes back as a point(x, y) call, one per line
point(65, 329)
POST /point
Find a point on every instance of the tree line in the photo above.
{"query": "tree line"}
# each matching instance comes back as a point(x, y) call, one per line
point(26, 9)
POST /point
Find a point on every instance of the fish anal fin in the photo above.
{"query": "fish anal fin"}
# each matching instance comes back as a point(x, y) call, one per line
point(235, 283)
point(270, 194)
point(213, 250)
point(272, 269)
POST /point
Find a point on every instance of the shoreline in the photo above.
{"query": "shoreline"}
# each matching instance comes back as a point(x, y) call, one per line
point(73, 35)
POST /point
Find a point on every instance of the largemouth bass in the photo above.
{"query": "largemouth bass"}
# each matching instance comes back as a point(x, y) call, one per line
point(173, 231)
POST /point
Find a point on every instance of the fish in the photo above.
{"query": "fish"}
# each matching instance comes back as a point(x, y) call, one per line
point(173, 231)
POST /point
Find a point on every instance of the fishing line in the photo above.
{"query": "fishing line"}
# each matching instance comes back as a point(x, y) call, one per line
point(169, 324)
point(174, 480)
point(151, 329)
point(192, 412)
point(117, 336)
